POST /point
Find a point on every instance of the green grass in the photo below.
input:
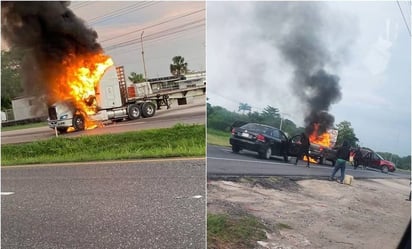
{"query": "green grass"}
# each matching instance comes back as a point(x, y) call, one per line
point(179, 141)
point(217, 137)
point(224, 231)
point(25, 126)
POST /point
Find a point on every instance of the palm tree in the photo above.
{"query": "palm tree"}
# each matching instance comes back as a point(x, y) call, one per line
point(136, 78)
point(244, 107)
point(179, 66)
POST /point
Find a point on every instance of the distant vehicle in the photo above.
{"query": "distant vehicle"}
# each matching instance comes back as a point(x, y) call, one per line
point(266, 140)
point(374, 160)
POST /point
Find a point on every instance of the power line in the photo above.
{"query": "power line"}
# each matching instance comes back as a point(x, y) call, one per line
point(80, 5)
point(161, 34)
point(113, 12)
point(404, 19)
point(125, 12)
point(154, 25)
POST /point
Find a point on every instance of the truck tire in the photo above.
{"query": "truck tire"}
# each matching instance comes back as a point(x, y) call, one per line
point(133, 111)
point(78, 122)
point(148, 109)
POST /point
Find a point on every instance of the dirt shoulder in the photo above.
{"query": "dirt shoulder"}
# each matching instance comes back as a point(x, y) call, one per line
point(314, 214)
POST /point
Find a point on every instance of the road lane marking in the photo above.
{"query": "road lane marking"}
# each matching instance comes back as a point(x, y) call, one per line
point(7, 193)
point(242, 160)
point(104, 162)
point(196, 196)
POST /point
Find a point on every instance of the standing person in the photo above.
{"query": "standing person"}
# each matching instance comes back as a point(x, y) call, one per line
point(358, 157)
point(304, 148)
point(342, 156)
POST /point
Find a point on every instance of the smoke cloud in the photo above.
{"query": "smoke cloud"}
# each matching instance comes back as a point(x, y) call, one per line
point(297, 30)
point(51, 36)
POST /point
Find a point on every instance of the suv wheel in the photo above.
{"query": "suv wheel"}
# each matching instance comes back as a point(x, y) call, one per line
point(385, 169)
point(235, 149)
point(266, 154)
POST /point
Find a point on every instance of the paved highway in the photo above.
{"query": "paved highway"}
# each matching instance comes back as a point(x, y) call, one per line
point(137, 204)
point(185, 114)
point(221, 161)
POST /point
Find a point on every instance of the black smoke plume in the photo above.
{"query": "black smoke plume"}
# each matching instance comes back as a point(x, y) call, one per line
point(298, 31)
point(50, 35)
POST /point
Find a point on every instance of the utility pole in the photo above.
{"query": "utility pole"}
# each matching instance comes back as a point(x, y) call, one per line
point(144, 64)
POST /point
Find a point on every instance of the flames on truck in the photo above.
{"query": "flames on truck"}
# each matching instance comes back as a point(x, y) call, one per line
point(321, 145)
point(77, 85)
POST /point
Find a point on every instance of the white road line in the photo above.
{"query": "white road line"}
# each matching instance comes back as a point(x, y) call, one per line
point(241, 160)
point(197, 196)
point(7, 193)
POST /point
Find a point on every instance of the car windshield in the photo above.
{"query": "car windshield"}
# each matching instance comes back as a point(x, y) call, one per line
point(256, 128)
point(380, 157)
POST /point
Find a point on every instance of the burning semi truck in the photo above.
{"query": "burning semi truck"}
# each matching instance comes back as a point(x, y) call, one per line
point(109, 98)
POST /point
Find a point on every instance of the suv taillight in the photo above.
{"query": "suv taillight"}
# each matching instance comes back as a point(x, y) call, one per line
point(260, 137)
point(233, 131)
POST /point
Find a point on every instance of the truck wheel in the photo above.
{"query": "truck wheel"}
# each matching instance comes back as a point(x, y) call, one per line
point(78, 122)
point(133, 111)
point(148, 109)
point(385, 169)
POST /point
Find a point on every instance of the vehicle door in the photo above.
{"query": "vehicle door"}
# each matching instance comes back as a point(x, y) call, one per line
point(375, 160)
point(277, 142)
point(284, 147)
point(294, 146)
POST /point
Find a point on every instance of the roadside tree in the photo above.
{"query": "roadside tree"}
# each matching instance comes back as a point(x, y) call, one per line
point(136, 78)
point(347, 133)
point(11, 63)
point(179, 66)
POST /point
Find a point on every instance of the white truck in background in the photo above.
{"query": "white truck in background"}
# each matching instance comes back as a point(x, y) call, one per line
point(116, 100)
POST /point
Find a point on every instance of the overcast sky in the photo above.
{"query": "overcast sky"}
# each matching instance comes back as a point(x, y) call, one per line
point(365, 44)
point(170, 29)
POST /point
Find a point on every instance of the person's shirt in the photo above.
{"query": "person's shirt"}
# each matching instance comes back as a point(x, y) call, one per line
point(343, 153)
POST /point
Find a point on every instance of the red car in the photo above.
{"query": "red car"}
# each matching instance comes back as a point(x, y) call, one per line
point(374, 160)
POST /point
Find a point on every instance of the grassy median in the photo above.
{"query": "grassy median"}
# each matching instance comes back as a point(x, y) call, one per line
point(217, 137)
point(179, 141)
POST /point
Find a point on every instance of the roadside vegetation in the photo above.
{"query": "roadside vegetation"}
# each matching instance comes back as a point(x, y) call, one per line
point(179, 141)
point(217, 137)
point(24, 126)
point(221, 120)
point(242, 232)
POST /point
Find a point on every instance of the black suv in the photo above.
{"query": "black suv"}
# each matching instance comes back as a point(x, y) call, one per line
point(266, 140)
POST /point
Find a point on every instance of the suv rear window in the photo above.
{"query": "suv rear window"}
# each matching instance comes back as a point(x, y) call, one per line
point(257, 128)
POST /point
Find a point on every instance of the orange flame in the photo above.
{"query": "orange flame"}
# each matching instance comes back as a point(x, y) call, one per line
point(322, 139)
point(310, 159)
point(79, 80)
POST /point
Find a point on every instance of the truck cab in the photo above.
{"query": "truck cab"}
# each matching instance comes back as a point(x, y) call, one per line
point(63, 115)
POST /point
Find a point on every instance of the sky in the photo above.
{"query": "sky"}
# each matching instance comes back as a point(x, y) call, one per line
point(169, 29)
point(365, 44)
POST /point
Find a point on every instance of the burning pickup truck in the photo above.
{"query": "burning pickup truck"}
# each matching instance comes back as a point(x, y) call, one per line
point(321, 146)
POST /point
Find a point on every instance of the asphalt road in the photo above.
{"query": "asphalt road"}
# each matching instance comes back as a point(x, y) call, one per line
point(187, 114)
point(221, 161)
point(140, 204)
